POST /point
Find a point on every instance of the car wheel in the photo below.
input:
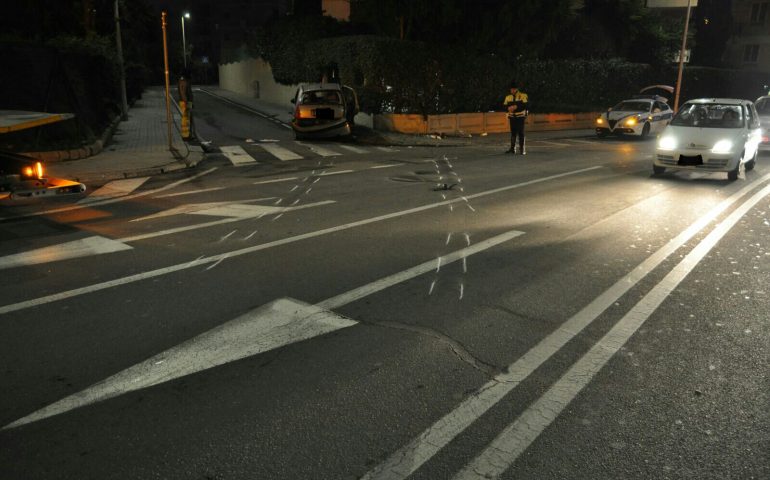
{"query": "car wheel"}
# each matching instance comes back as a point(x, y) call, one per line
point(657, 170)
point(645, 130)
point(601, 134)
point(732, 175)
point(752, 163)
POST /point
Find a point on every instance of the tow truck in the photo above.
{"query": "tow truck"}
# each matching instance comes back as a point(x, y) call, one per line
point(23, 178)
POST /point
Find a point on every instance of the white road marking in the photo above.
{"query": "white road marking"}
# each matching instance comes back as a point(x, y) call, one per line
point(351, 148)
point(279, 152)
point(116, 188)
point(386, 149)
point(256, 248)
point(231, 219)
point(276, 324)
point(335, 173)
point(577, 140)
point(271, 326)
point(203, 190)
point(119, 199)
point(63, 251)
point(516, 437)
point(410, 457)
point(553, 143)
point(322, 151)
point(237, 155)
point(276, 180)
point(386, 166)
point(195, 208)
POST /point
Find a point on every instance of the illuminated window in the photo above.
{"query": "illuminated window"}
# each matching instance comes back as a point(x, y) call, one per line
point(750, 53)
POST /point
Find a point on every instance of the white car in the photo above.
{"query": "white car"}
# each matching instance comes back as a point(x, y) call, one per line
point(641, 116)
point(763, 109)
point(710, 134)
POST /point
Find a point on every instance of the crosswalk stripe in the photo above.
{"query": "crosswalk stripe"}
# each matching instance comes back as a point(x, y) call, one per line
point(78, 248)
point(322, 151)
point(279, 152)
point(116, 188)
point(237, 155)
point(353, 149)
point(386, 149)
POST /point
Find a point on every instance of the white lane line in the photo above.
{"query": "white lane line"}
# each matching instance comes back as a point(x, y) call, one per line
point(191, 192)
point(237, 155)
point(374, 287)
point(422, 448)
point(63, 251)
point(119, 199)
point(244, 251)
point(322, 151)
point(334, 173)
point(516, 437)
point(271, 326)
point(552, 143)
point(276, 324)
point(116, 188)
point(385, 166)
point(276, 180)
point(236, 215)
point(387, 149)
point(282, 154)
point(353, 149)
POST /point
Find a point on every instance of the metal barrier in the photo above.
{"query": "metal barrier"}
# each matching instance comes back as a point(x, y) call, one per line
point(477, 123)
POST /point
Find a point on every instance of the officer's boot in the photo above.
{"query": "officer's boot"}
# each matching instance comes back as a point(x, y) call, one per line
point(522, 150)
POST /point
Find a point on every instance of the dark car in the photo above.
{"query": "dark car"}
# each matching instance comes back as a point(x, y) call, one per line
point(324, 110)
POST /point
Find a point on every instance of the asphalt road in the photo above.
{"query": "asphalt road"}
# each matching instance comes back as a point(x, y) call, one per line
point(328, 310)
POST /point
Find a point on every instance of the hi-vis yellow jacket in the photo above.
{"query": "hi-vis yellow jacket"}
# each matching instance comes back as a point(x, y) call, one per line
point(521, 100)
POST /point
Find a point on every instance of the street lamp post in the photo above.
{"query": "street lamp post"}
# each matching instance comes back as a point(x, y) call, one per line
point(184, 44)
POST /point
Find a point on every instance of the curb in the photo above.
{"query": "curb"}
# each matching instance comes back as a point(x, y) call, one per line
point(79, 153)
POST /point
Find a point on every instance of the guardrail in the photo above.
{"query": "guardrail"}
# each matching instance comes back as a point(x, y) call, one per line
point(477, 123)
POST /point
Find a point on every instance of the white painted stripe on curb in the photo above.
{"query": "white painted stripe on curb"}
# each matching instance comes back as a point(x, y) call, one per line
point(351, 148)
point(237, 155)
point(282, 154)
point(256, 248)
point(276, 324)
point(116, 188)
point(271, 326)
point(516, 437)
point(322, 151)
point(422, 448)
point(64, 251)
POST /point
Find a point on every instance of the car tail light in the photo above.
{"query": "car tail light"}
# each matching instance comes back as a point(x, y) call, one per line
point(39, 169)
point(33, 171)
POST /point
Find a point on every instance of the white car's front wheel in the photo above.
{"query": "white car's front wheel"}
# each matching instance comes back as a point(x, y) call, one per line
point(645, 130)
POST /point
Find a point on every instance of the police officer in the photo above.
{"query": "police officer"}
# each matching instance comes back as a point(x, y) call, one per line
point(517, 105)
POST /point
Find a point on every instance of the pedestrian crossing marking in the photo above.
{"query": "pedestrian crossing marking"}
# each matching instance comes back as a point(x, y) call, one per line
point(237, 155)
point(64, 251)
point(322, 151)
point(353, 149)
point(279, 152)
point(114, 189)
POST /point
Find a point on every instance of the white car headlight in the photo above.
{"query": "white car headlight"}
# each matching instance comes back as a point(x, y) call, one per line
point(667, 143)
point(723, 146)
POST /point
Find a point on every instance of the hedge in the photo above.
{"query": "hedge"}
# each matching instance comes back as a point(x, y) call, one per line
point(397, 76)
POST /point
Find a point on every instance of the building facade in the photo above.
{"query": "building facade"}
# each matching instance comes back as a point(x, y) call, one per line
point(749, 44)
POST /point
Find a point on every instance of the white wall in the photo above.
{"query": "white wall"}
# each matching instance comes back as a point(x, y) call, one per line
point(244, 77)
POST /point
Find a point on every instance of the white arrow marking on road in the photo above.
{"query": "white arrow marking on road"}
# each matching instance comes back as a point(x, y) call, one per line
point(276, 324)
point(75, 249)
point(195, 208)
point(114, 189)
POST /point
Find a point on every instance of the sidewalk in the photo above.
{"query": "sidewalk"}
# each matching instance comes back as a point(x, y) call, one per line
point(139, 147)
point(372, 137)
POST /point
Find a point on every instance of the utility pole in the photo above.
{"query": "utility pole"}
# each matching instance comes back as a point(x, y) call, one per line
point(681, 58)
point(168, 101)
point(119, 41)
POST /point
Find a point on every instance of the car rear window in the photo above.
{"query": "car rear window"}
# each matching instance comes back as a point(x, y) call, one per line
point(322, 97)
point(709, 115)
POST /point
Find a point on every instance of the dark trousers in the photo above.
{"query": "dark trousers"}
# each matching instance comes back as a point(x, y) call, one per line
point(517, 130)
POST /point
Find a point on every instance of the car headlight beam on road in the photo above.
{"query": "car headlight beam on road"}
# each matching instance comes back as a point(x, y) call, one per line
point(723, 146)
point(667, 143)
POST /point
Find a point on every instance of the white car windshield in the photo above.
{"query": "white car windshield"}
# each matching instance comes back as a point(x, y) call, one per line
point(630, 106)
point(322, 97)
point(709, 115)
